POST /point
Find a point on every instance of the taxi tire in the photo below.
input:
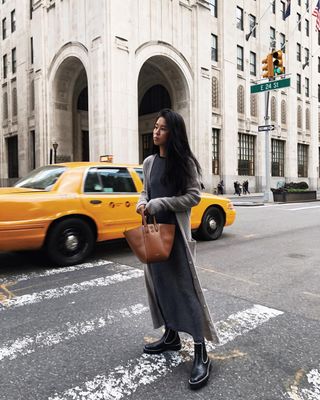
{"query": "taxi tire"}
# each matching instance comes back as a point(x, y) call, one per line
point(205, 231)
point(55, 241)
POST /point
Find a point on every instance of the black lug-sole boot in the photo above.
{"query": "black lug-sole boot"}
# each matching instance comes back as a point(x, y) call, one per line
point(169, 341)
point(201, 367)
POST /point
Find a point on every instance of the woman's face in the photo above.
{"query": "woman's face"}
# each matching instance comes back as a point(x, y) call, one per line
point(160, 132)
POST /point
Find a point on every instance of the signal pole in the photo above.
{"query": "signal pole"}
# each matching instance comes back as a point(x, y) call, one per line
point(267, 192)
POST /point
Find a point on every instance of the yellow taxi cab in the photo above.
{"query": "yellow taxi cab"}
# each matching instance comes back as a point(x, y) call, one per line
point(66, 208)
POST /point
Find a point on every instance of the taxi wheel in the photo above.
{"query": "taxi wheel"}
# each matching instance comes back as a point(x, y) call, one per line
point(70, 241)
point(212, 224)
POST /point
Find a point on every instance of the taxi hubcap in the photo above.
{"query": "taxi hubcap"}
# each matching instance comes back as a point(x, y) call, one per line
point(212, 224)
point(71, 242)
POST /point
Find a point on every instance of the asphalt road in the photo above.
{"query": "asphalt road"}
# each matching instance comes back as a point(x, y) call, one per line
point(77, 333)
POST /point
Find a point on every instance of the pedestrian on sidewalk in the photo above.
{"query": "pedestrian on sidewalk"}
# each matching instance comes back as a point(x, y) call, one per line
point(245, 187)
point(171, 188)
point(220, 187)
point(237, 188)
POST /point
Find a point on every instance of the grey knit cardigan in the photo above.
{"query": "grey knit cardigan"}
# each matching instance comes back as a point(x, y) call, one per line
point(181, 206)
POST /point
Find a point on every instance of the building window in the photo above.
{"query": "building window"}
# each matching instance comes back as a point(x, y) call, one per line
point(299, 21)
point(4, 28)
point(272, 38)
point(214, 47)
point(306, 56)
point(13, 21)
point(298, 83)
point(215, 151)
point(240, 58)
point(298, 52)
point(307, 119)
point(318, 64)
point(240, 99)
point(5, 106)
point(239, 18)
point(283, 42)
point(246, 154)
point(302, 160)
point(307, 27)
point(31, 50)
point(32, 97)
point(32, 148)
point(319, 93)
point(283, 112)
point(12, 157)
point(213, 8)
point(253, 106)
point(307, 5)
point(277, 154)
point(307, 87)
point(253, 63)
point(14, 102)
point(252, 24)
point(215, 91)
point(319, 38)
point(299, 117)
point(5, 66)
point(273, 109)
point(14, 60)
point(273, 6)
point(283, 10)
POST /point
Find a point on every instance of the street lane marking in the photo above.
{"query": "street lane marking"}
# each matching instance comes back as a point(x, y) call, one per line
point(124, 380)
point(52, 271)
point(27, 299)
point(29, 344)
point(310, 393)
point(302, 208)
point(311, 294)
point(228, 276)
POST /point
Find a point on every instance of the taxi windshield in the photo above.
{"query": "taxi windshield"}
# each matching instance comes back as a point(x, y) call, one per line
point(42, 178)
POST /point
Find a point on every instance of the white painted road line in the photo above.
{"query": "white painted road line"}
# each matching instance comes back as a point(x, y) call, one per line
point(27, 299)
point(52, 271)
point(302, 208)
point(29, 344)
point(312, 393)
point(125, 379)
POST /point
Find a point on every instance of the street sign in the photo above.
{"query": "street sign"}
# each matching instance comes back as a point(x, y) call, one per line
point(271, 85)
point(263, 128)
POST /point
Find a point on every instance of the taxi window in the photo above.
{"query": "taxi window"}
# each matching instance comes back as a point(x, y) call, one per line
point(139, 171)
point(109, 180)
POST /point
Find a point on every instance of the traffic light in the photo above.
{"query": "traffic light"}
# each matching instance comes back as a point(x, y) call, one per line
point(267, 67)
point(277, 61)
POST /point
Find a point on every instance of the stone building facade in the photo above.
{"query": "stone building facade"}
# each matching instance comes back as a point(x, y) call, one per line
point(88, 76)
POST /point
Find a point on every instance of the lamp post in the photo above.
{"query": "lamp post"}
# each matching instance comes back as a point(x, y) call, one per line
point(55, 146)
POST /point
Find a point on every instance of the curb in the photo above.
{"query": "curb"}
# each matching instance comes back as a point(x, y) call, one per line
point(247, 204)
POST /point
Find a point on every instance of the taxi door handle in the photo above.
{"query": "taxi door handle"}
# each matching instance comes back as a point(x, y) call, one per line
point(95, 201)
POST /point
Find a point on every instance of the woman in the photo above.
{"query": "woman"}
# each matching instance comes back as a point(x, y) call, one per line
point(171, 188)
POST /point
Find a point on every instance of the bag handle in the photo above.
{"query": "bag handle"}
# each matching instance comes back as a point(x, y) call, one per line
point(144, 223)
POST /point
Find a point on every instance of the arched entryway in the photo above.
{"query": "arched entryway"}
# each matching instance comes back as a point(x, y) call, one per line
point(161, 84)
point(70, 125)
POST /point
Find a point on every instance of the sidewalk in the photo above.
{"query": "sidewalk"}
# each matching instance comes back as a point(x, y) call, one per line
point(252, 199)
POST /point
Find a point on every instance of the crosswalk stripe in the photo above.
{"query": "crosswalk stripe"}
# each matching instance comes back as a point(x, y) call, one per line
point(29, 344)
point(311, 393)
point(52, 271)
point(124, 380)
point(27, 299)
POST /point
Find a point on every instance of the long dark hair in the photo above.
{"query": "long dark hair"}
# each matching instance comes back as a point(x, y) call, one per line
point(179, 157)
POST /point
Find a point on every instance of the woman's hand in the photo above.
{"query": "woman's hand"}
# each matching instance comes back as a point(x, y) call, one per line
point(142, 210)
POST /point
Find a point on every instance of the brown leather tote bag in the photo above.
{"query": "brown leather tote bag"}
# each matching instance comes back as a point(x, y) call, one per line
point(151, 242)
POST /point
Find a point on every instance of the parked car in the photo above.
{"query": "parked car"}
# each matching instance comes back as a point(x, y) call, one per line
point(67, 208)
